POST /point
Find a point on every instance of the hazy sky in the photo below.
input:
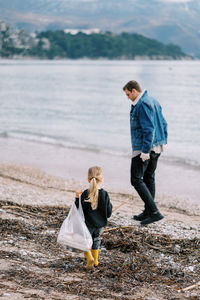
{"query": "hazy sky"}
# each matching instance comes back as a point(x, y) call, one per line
point(178, 1)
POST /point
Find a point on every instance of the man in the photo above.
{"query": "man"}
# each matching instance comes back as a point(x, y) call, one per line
point(148, 136)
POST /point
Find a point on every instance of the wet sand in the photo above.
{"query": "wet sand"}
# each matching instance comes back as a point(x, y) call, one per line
point(173, 179)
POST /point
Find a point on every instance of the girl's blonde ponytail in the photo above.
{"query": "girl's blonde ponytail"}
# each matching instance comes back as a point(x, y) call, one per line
point(95, 177)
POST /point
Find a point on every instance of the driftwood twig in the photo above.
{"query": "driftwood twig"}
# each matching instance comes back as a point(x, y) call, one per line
point(190, 287)
point(118, 227)
point(17, 207)
point(122, 203)
point(116, 208)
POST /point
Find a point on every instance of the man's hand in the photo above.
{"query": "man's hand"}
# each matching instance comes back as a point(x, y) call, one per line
point(144, 156)
point(79, 192)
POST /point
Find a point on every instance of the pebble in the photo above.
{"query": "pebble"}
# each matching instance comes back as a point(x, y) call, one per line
point(10, 242)
point(22, 238)
point(189, 268)
point(177, 230)
point(22, 252)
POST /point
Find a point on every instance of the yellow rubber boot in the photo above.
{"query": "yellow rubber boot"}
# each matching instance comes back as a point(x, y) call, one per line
point(95, 254)
point(89, 258)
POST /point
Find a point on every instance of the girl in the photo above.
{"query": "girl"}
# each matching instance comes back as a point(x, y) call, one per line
point(97, 208)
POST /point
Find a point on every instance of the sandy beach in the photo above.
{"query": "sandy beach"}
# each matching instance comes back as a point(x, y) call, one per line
point(29, 195)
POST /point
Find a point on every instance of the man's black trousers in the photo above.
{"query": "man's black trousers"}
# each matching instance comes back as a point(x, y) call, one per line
point(143, 180)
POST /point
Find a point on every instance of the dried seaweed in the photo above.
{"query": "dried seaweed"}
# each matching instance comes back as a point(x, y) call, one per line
point(131, 259)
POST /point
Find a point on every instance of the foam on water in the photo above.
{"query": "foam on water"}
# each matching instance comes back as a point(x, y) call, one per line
point(67, 143)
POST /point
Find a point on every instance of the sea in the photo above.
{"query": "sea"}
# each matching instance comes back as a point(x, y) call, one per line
point(64, 116)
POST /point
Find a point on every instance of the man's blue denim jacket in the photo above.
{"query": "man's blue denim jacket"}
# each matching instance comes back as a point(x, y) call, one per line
point(147, 124)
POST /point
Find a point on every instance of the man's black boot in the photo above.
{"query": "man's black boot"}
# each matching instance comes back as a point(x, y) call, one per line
point(141, 216)
point(154, 217)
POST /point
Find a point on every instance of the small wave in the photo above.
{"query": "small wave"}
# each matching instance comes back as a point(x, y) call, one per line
point(47, 139)
point(4, 134)
point(184, 162)
point(70, 144)
point(60, 142)
point(29, 136)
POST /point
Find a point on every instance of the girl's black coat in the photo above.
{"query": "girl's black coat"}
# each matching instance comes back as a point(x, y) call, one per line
point(97, 217)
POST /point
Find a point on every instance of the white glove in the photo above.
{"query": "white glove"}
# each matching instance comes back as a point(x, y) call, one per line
point(144, 156)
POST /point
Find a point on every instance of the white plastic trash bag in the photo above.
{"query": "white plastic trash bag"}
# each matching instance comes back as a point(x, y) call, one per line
point(74, 232)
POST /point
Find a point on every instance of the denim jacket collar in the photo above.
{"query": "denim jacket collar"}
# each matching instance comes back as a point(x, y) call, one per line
point(139, 97)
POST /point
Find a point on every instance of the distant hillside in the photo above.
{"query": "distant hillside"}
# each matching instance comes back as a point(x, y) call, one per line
point(106, 45)
point(169, 21)
point(58, 44)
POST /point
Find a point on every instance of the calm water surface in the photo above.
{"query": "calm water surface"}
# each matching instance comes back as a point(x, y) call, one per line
point(80, 105)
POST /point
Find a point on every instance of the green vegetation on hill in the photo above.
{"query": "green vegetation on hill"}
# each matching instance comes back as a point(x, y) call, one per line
point(105, 45)
point(58, 44)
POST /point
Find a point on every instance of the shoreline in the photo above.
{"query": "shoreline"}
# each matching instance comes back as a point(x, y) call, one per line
point(137, 58)
point(27, 185)
point(177, 182)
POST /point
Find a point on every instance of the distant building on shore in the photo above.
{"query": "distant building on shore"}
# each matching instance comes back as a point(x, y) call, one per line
point(74, 31)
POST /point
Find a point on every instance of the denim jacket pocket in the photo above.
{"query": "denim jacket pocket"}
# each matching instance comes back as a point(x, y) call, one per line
point(134, 122)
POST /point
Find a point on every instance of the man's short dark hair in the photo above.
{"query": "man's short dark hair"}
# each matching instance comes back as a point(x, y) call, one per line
point(132, 85)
